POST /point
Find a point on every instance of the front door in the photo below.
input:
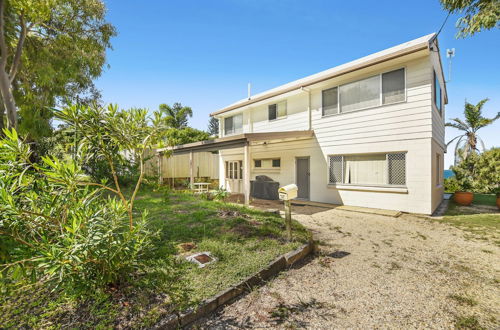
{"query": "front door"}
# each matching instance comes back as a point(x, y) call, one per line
point(302, 165)
point(234, 176)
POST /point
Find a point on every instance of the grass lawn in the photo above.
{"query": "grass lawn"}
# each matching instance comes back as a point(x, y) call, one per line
point(481, 219)
point(243, 240)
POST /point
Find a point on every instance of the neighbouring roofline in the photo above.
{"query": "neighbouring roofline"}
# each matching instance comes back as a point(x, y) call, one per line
point(407, 48)
point(234, 141)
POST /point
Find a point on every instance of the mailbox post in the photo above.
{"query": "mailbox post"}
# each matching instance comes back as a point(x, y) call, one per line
point(286, 194)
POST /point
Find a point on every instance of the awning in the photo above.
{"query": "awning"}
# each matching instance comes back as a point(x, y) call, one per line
point(235, 141)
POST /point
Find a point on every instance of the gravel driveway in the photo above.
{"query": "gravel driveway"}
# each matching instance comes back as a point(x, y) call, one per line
point(377, 272)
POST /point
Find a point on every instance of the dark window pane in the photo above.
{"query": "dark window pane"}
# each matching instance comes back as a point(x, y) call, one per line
point(393, 86)
point(228, 125)
point(437, 92)
point(276, 162)
point(330, 101)
point(258, 163)
point(272, 111)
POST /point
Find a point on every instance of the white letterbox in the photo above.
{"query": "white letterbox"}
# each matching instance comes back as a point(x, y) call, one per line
point(288, 192)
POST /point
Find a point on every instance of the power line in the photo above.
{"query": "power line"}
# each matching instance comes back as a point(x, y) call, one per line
point(442, 25)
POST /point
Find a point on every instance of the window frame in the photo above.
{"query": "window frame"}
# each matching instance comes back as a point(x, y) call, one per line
point(234, 130)
point(278, 117)
point(386, 185)
point(381, 104)
point(437, 85)
point(264, 168)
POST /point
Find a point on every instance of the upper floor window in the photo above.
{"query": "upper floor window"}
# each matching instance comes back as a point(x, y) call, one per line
point(385, 88)
point(233, 124)
point(330, 101)
point(437, 93)
point(277, 110)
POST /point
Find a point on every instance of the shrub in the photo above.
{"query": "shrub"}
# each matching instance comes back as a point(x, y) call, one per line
point(487, 174)
point(58, 229)
point(451, 184)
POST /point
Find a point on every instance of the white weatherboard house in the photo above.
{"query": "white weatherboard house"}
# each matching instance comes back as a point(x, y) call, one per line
point(366, 133)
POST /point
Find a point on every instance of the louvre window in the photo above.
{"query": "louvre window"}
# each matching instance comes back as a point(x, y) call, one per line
point(257, 163)
point(233, 124)
point(277, 110)
point(385, 88)
point(330, 101)
point(276, 162)
point(369, 169)
point(393, 86)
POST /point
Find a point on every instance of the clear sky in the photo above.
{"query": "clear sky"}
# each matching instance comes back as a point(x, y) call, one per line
point(203, 53)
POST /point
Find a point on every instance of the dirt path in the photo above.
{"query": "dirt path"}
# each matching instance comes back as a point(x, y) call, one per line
point(377, 272)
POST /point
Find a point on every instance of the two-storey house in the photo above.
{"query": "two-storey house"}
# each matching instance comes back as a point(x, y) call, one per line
point(366, 133)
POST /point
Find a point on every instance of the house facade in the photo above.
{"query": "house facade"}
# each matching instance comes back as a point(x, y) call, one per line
point(366, 133)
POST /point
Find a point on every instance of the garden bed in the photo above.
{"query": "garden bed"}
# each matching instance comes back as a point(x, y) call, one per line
point(242, 240)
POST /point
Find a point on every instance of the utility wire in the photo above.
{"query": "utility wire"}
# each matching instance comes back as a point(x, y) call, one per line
point(442, 25)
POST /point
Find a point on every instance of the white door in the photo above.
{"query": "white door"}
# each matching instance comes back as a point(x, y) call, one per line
point(234, 176)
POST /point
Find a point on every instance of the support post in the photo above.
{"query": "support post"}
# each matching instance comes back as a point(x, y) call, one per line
point(288, 219)
point(246, 173)
point(160, 166)
point(191, 170)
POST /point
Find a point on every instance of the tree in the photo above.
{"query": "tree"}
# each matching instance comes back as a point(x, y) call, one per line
point(468, 141)
point(185, 135)
point(50, 50)
point(478, 15)
point(213, 126)
point(59, 229)
point(116, 136)
point(177, 115)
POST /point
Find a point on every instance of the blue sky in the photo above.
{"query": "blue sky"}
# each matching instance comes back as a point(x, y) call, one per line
point(203, 53)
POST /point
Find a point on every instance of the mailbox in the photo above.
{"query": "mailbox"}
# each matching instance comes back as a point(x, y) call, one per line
point(288, 192)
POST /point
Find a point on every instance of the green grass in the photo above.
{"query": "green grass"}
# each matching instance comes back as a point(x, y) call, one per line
point(481, 220)
point(243, 242)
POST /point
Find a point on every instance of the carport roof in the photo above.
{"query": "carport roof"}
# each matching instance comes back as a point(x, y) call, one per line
point(235, 141)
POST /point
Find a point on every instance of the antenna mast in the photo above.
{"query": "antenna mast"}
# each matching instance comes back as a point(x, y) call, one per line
point(450, 54)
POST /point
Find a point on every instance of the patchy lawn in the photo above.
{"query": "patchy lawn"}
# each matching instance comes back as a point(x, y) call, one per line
point(243, 240)
point(481, 220)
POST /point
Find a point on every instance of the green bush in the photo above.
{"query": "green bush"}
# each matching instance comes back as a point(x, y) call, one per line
point(479, 173)
point(58, 229)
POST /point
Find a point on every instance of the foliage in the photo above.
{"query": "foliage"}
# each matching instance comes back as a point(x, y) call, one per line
point(468, 141)
point(176, 115)
point(213, 126)
point(487, 174)
point(476, 173)
point(221, 194)
point(51, 53)
point(116, 137)
point(185, 135)
point(451, 184)
point(59, 230)
point(465, 173)
point(478, 15)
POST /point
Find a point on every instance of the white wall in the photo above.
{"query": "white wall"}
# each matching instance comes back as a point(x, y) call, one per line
point(412, 126)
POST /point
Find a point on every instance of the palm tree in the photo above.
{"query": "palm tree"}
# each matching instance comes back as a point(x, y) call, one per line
point(177, 115)
point(468, 141)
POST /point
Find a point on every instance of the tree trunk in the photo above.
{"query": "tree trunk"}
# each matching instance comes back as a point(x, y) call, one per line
point(2, 113)
point(8, 99)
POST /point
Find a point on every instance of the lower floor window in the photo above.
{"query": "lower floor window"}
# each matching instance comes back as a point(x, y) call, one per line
point(369, 169)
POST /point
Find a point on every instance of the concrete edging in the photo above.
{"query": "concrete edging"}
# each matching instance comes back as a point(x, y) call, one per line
point(226, 296)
